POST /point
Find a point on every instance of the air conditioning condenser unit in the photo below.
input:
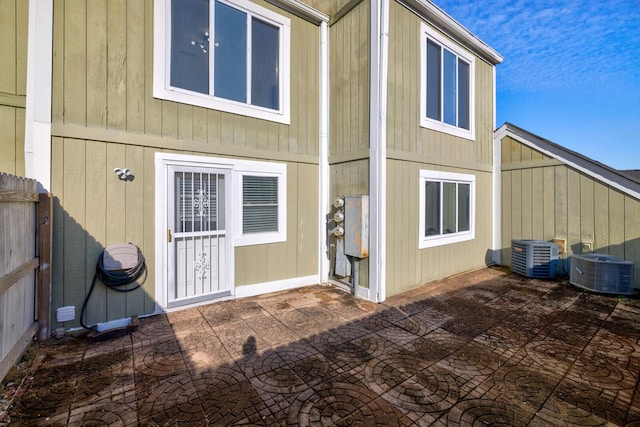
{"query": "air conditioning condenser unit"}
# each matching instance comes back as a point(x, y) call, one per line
point(602, 273)
point(534, 258)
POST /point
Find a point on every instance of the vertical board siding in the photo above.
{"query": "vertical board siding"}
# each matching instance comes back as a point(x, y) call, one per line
point(103, 78)
point(546, 202)
point(408, 266)
point(349, 83)
point(404, 133)
point(97, 210)
point(13, 63)
point(297, 257)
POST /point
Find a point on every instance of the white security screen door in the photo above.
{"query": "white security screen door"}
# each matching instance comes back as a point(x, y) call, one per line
point(196, 235)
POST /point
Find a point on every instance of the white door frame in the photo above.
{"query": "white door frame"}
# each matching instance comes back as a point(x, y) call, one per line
point(163, 161)
point(222, 250)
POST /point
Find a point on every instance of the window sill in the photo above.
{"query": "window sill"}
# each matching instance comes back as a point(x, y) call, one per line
point(434, 241)
point(206, 101)
point(448, 129)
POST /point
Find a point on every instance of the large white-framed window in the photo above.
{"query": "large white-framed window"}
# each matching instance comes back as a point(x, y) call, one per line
point(446, 208)
point(447, 75)
point(228, 55)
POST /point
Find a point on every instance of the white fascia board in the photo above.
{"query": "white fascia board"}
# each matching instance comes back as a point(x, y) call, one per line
point(37, 144)
point(575, 162)
point(378, 148)
point(440, 19)
point(298, 8)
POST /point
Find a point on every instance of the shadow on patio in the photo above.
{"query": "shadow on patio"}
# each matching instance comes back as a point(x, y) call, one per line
point(486, 347)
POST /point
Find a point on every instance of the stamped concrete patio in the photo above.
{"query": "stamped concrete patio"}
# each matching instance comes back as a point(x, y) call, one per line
point(482, 348)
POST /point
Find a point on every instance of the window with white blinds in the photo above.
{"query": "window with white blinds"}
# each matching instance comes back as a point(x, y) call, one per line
point(259, 204)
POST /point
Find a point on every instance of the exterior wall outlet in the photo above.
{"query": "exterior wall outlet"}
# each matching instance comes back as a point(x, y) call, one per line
point(587, 247)
point(66, 314)
point(562, 245)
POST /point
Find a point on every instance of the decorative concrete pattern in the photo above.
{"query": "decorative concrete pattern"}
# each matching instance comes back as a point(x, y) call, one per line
point(487, 347)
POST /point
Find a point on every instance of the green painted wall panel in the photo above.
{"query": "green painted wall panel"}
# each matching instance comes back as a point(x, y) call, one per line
point(408, 266)
point(113, 88)
point(573, 206)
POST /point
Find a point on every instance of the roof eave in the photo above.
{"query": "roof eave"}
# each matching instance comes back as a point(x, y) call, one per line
point(453, 28)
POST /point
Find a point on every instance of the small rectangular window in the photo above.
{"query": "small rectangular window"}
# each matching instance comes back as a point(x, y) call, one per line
point(446, 208)
point(259, 204)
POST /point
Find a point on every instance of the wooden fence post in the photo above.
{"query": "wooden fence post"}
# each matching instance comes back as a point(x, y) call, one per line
point(43, 282)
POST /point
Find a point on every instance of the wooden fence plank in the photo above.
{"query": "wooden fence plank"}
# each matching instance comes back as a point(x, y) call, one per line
point(18, 196)
point(9, 279)
point(43, 282)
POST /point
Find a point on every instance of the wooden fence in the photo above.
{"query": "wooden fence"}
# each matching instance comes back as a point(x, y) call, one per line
point(25, 272)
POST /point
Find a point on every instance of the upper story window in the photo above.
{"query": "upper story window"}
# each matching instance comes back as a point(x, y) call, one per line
point(447, 208)
point(447, 89)
point(229, 55)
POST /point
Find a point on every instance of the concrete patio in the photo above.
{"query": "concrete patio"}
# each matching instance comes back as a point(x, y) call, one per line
point(487, 347)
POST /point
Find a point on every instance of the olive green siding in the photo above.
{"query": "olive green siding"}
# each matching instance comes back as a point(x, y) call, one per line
point(405, 138)
point(543, 198)
point(105, 116)
point(408, 266)
point(411, 148)
point(103, 79)
point(350, 52)
point(14, 17)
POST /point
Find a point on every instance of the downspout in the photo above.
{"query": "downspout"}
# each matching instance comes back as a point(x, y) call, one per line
point(378, 148)
point(497, 184)
point(323, 191)
point(37, 141)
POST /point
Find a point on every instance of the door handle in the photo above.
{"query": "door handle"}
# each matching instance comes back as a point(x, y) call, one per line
point(169, 235)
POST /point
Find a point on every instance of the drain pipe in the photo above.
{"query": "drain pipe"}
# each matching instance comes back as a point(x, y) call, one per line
point(378, 148)
point(323, 166)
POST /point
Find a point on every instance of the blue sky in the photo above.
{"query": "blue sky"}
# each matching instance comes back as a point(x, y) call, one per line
point(571, 70)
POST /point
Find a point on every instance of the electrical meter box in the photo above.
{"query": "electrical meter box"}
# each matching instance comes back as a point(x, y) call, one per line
point(356, 226)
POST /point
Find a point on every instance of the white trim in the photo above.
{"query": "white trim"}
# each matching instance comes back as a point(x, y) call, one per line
point(445, 239)
point(162, 55)
point(37, 144)
point(378, 150)
point(432, 13)
point(496, 218)
point(505, 131)
point(277, 170)
point(323, 155)
point(302, 10)
point(237, 168)
point(439, 125)
point(275, 286)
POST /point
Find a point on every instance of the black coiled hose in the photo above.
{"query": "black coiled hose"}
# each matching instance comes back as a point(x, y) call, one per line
point(115, 280)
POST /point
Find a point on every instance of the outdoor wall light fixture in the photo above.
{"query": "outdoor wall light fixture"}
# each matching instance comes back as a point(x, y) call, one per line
point(124, 174)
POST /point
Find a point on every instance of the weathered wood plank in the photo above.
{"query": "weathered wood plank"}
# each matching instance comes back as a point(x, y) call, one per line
point(616, 223)
point(18, 196)
point(45, 252)
point(8, 25)
point(8, 139)
point(98, 173)
point(587, 208)
point(97, 66)
point(11, 278)
point(17, 351)
point(117, 64)
point(75, 55)
point(135, 33)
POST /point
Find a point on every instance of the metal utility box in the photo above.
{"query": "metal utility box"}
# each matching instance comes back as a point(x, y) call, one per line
point(356, 226)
